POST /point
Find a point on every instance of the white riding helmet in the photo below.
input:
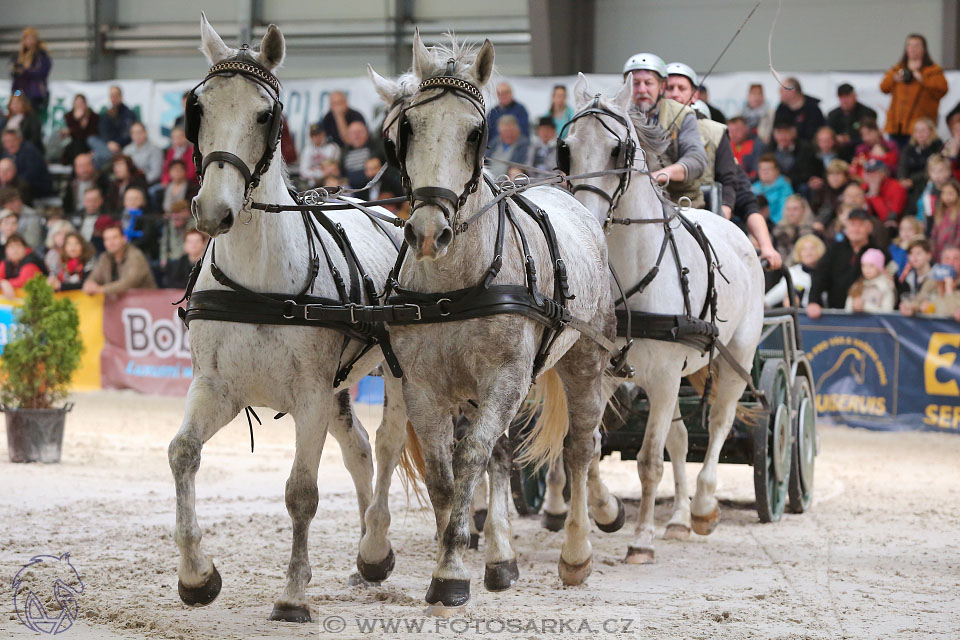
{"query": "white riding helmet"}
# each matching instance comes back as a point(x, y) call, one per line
point(646, 62)
point(701, 108)
point(685, 70)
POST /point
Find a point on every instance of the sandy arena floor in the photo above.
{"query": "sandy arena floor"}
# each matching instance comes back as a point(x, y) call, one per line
point(876, 558)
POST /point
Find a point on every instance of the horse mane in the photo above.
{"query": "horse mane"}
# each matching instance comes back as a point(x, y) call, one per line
point(652, 137)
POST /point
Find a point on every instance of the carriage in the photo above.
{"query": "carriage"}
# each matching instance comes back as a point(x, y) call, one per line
point(781, 449)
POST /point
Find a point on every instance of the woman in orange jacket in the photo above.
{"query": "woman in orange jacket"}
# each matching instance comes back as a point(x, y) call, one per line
point(916, 85)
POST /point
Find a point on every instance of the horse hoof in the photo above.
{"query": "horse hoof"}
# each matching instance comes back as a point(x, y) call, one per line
point(474, 541)
point(617, 523)
point(572, 575)
point(479, 518)
point(500, 576)
point(202, 595)
point(676, 532)
point(553, 521)
point(290, 613)
point(440, 611)
point(376, 571)
point(448, 592)
point(704, 525)
point(639, 555)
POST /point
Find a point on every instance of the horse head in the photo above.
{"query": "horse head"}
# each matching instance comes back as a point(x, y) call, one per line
point(233, 119)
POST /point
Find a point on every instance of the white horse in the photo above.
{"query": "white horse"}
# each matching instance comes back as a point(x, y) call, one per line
point(659, 365)
point(489, 359)
point(288, 368)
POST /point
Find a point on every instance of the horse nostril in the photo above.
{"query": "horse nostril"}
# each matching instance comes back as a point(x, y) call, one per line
point(445, 237)
point(227, 221)
point(410, 235)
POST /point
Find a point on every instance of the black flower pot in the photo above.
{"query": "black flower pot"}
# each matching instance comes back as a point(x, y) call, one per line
point(35, 435)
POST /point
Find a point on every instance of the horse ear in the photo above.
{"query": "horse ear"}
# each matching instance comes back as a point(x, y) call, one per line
point(421, 56)
point(483, 65)
point(624, 95)
point(212, 45)
point(581, 92)
point(386, 89)
point(273, 48)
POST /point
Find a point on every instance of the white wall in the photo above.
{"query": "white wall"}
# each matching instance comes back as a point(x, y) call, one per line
point(810, 35)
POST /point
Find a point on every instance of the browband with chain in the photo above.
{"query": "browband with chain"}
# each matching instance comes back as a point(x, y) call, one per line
point(438, 82)
point(249, 68)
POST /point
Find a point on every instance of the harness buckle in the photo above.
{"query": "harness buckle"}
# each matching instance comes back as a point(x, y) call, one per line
point(293, 306)
point(417, 307)
point(352, 307)
point(439, 304)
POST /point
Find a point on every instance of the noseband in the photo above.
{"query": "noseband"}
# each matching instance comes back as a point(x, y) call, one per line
point(243, 64)
point(445, 199)
point(623, 154)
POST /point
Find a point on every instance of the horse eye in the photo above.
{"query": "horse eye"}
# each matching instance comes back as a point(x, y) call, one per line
point(263, 117)
point(474, 136)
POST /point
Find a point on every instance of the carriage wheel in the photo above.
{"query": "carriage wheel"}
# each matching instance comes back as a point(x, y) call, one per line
point(804, 446)
point(772, 446)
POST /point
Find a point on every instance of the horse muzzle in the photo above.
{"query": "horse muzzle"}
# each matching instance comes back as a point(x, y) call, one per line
point(214, 220)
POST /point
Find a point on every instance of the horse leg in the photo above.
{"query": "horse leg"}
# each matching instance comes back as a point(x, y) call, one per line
point(554, 505)
point(501, 571)
point(355, 447)
point(705, 509)
point(606, 509)
point(376, 559)
point(209, 407)
point(663, 401)
point(479, 508)
point(678, 528)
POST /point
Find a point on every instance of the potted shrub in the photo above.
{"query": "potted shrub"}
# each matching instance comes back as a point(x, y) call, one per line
point(35, 369)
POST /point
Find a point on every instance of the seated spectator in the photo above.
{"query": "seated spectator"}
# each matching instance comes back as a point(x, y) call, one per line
point(20, 116)
point(115, 122)
point(57, 232)
point(178, 271)
point(874, 147)
point(510, 145)
point(31, 166)
point(827, 150)
point(9, 221)
point(916, 270)
point(179, 187)
point(508, 106)
point(146, 155)
point(318, 152)
point(797, 221)
point(85, 220)
point(886, 197)
point(126, 176)
point(387, 186)
point(176, 223)
point(806, 254)
point(336, 121)
point(946, 218)
point(120, 268)
point(825, 200)
point(20, 264)
point(81, 124)
point(800, 110)
point(938, 172)
point(11, 181)
point(938, 296)
point(912, 166)
point(560, 112)
point(845, 120)
point(910, 231)
point(84, 177)
point(180, 150)
point(138, 225)
point(746, 146)
point(840, 266)
point(76, 265)
point(31, 224)
point(874, 291)
point(715, 114)
point(757, 114)
point(355, 154)
point(773, 186)
point(544, 154)
point(796, 158)
point(951, 148)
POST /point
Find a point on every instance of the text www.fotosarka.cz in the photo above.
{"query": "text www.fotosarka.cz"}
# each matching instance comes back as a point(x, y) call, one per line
point(475, 626)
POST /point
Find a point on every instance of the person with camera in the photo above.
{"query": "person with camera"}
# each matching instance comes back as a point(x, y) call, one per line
point(915, 84)
point(29, 69)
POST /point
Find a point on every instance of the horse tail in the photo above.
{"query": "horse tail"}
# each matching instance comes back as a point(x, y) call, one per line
point(750, 416)
point(413, 468)
point(543, 443)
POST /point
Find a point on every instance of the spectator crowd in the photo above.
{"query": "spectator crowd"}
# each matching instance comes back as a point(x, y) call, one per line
point(867, 219)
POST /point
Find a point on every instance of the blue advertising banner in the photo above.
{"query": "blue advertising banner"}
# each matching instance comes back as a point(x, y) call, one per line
point(885, 371)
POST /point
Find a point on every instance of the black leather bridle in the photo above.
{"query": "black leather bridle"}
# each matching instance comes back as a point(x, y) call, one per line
point(246, 65)
point(445, 199)
point(623, 154)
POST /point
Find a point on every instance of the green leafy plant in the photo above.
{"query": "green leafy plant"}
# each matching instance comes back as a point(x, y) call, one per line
point(38, 363)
